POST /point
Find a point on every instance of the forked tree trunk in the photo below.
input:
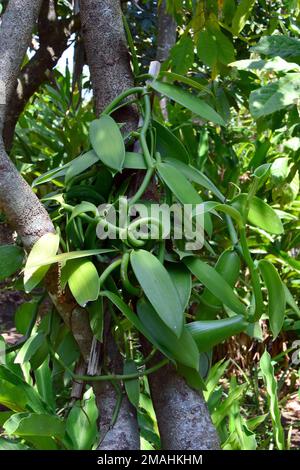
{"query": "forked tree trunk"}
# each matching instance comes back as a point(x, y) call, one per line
point(108, 59)
point(180, 411)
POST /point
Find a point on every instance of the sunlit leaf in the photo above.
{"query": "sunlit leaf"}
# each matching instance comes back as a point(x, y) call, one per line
point(107, 141)
point(159, 288)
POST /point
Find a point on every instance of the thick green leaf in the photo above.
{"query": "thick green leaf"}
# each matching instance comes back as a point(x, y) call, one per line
point(178, 184)
point(197, 176)
point(107, 141)
point(30, 348)
point(225, 408)
point(23, 316)
point(213, 378)
point(241, 15)
point(276, 294)
point(175, 77)
point(159, 289)
point(35, 269)
point(183, 349)
point(84, 281)
point(182, 281)
point(34, 424)
point(211, 279)
point(80, 164)
point(208, 334)
point(134, 161)
point(168, 145)
point(260, 214)
point(44, 384)
point(189, 101)
point(275, 95)
point(132, 387)
point(81, 425)
point(271, 386)
point(83, 208)
point(18, 395)
point(11, 260)
point(280, 45)
point(130, 315)
point(13, 396)
point(228, 266)
point(62, 258)
point(290, 300)
point(51, 175)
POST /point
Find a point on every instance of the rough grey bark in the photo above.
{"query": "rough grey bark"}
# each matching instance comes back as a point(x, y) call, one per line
point(166, 38)
point(22, 207)
point(107, 55)
point(166, 32)
point(183, 418)
point(125, 431)
point(108, 60)
point(54, 34)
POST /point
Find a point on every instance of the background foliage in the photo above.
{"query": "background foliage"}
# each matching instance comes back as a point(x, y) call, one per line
point(239, 61)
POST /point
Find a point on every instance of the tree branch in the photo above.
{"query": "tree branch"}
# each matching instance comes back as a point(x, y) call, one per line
point(54, 34)
point(23, 209)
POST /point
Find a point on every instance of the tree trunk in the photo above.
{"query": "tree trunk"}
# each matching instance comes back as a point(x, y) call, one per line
point(166, 33)
point(54, 34)
point(108, 60)
point(107, 55)
point(123, 434)
point(183, 418)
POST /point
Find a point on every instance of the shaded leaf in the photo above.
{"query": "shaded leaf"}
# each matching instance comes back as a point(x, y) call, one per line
point(183, 349)
point(81, 424)
point(34, 424)
point(80, 164)
point(168, 145)
point(208, 334)
point(132, 386)
point(182, 55)
point(11, 260)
